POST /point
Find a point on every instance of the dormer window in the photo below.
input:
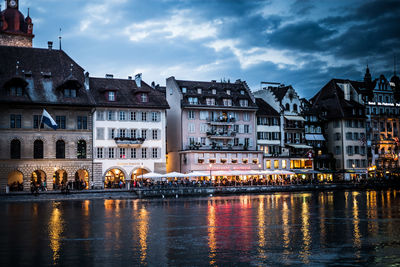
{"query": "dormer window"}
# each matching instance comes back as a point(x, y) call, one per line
point(111, 96)
point(16, 91)
point(242, 92)
point(184, 90)
point(199, 91)
point(228, 92)
point(144, 98)
point(214, 91)
point(193, 100)
point(244, 103)
point(210, 101)
point(227, 102)
point(70, 93)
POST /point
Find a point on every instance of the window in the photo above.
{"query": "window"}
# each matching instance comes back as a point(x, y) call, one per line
point(246, 128)
point(100, 133)
point(242, 92)
point(133, 153)
point(15, 121)
point(228, 92)
point(154, 153)
point(144, 133)
point(193, 100)
point(69, 92)
point(144, 98)
point(122, 115)
point(349, 136)
point(100, 115)
point(122, 153)
point(122, 133)
point(99, 152)
point(111, 96)
point(336, 124)
point(111, 152)
point(244, 102)
point(214, 91)
point(133, 133)
point(246, 116)
point(192, 128)
point(355, 136)
point(227, 102)
point(81, 152)
point(16, 91)
point(203, 141)
point(82, 122)
point(60, 120)
point(199, 91)
point(144, 153)
point(337, 136)
point(132, 116)
point(287, 107)
point(246, 142)
point(184, 90)
point(276, 164)
point(144, 116)
point(36, 121)
point(283, 164)
point(203, 115)
point(15, 149)
point(295, 108)
point(337, 150)
point(38, 149)
point(191, 114)
point(60, 149)
point(210, 101)
point(154, 116)
point(349, 150)
point(111, 133)
point(203, 128)
point(111, 116)
point(155, 134)
point(268, 164)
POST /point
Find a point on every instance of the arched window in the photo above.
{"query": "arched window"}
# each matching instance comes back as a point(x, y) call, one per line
point(81, 152)
point(38, 149)
point(287, 107)
point(15, 149)
point(60, 149)
point(294, 107)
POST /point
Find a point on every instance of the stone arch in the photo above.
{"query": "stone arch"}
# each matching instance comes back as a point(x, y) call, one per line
point(134, 171)
point(38, 177)
point(15, 180)
point(60, 176)
point(111, 177)
point(82, 177)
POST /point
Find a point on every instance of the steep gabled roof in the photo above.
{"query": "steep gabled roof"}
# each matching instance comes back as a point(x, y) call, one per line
point(44, 72)
point(264, 109)
point(280, 91)
point(127, 93)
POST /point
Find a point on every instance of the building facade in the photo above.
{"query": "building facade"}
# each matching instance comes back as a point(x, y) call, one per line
point(342, 106)
point(292, 150)
point(129, 123)
point(32, 80)
point(15, 29)
point(211, 126)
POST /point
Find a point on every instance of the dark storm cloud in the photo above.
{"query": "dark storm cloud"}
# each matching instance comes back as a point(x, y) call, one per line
point(302, 7)
point(303, 36)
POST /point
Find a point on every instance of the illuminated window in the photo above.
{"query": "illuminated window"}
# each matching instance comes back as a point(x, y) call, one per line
point(268, 164)
point(283, 164)
point(276, 164)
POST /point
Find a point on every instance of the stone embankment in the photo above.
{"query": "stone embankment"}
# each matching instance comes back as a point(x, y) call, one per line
point(174, 192)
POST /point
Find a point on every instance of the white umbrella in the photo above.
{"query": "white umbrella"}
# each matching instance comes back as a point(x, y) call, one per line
point(197, 174)
point(174, 174)
point(151, 175)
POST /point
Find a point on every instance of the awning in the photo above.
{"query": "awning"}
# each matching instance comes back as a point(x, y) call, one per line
point(299, 146)
point(305, 171)
point(358, 171)
point(294, 118)
point(315, 137)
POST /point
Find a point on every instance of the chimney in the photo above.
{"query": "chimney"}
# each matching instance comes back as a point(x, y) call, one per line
point(109, 76)
point(238, 81)
point(213, 81)
point(50, 45)
point(129, 77)
point(138, 79)
point(87, 81)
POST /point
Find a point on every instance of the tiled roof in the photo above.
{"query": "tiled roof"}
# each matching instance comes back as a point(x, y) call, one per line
point(331, 99)
point(264, 109)
point(221, 93)
point(127, 93)
point(45, 73)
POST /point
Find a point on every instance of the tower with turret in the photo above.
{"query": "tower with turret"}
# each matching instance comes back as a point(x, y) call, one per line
point(15, 29)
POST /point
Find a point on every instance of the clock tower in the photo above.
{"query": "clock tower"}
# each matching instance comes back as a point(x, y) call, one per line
point(15, 29)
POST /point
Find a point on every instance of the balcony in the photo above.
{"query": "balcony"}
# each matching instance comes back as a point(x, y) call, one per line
point(129, 142)
point(221, 135)
point(222, 121)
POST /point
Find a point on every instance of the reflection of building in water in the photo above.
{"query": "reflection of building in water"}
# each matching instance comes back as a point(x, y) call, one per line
point(143, 232)
point(55, 229)
point(212, 242)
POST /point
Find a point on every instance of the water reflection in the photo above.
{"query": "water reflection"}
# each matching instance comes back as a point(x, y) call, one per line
point(261, 228)
point(305, 229)
point(212, 242)
point(55, 229)
point(356, 221)
point(143, 232)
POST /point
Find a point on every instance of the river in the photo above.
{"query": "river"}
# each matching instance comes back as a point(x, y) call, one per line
point(319, 228)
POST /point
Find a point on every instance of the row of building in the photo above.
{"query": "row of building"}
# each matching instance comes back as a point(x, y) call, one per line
point(112, 131)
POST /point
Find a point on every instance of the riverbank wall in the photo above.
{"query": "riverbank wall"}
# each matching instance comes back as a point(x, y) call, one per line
point(177, 192)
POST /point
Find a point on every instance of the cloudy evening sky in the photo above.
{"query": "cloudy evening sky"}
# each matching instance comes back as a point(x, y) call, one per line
point(300, 42)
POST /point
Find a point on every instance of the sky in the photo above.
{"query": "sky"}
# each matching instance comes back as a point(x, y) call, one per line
point(304, 43)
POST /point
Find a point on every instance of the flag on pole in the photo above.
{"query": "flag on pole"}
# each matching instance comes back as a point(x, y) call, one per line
point(47, 119)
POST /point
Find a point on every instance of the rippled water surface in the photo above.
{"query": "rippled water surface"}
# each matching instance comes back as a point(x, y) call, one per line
point(328, 228)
